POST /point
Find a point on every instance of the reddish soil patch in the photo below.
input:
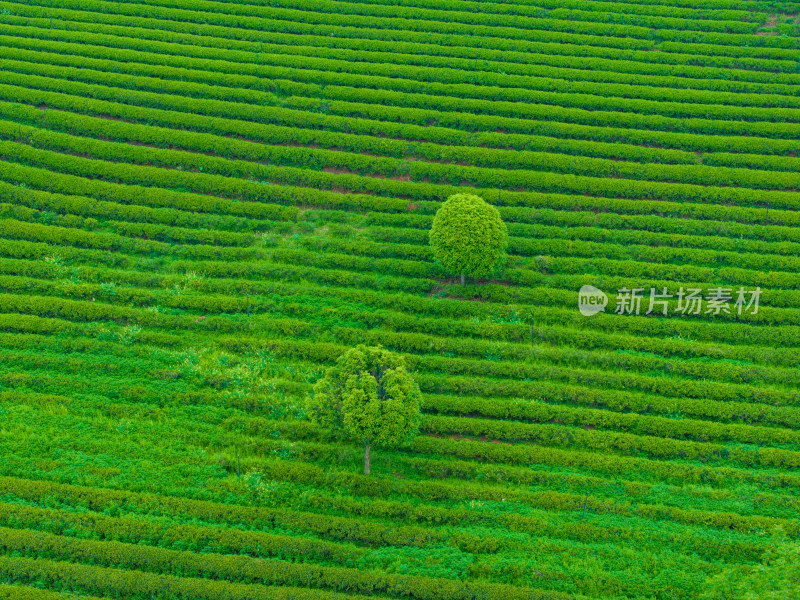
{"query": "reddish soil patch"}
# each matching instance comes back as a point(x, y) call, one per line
point(770, 24)
point(337, 171)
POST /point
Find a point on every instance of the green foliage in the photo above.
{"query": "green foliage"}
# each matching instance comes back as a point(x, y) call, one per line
point(776, 578)
point(433, 561)
point(468, 237)
point(260, 183)
point(368, 397)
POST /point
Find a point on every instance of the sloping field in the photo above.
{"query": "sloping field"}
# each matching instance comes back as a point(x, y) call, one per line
point(204, 203)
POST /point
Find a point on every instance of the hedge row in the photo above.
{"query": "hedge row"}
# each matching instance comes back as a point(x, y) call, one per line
point(622, 275)
point(618, 216)
point(743, 410)
point(697, 330)
point(597, 14)
point(397, 65)
point(725, 410)
point(214, 303)
point(384, 17)
point(131, 584)
point(432, 493)
point(24, 325)
point(413, 229)
point(333, 12)
point(548, 311)
point(33, 336)
point(535, 63)
point(622, 253)
point(397, 149)
point(623, 246)
point(511, 368)
point(599, 233)
point(355, 159)
point(519, 341)
point(129, 243)
point(329, 260)
point(695, 9)
point(767, 319)
point(769, 235)
point(564, 391)
point(53, 361)
point(770, 504)
point(254, 195)
point(407, 123)
point(571, 273)
point(751, 50)
point(656, 444)
point(307, 578)
point(443, 43)
point(730, 401)
point(141, 389)
point(723, 39)
point(547, 314)
point(328, 131)
point(532, 18)
point(621, 228)
point(418, 327)
point(752, 161)
point(342, 529)
point(600, 489)
point(529, 291)
point(249, 190)
point(22, 592)
point(675, 346)
point(614, 466)
point(125, 529)
point(560, 526)
point(767, 337)
point(142, 229)
point(635, 469)
point(136, 195)
point(639, 399)
point(309, 78)
point(381, 107)
point(520, 398)
point(176, 535)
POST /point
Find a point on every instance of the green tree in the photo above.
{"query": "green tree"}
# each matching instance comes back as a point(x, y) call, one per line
point(368, 397)
point(468, 236)
point(776, 578)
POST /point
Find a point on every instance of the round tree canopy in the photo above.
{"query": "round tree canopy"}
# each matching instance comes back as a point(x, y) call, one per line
point(368, 396)
point(468, 236)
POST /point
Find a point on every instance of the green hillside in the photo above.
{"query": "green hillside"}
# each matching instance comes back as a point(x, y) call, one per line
point(203, 203)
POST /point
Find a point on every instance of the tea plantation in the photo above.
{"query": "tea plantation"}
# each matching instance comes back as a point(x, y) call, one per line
point(204, 203)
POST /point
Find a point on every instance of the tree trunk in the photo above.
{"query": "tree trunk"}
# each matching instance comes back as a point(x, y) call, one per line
point(462, 279)
point(366, 458)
